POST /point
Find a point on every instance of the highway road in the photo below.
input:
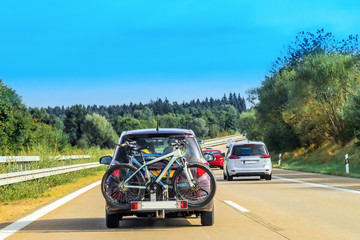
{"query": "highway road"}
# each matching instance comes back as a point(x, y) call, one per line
point(294, 205)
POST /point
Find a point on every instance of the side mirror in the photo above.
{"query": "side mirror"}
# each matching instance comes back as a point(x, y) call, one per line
point(209, 157)
point(223, 154)
point(105, 160)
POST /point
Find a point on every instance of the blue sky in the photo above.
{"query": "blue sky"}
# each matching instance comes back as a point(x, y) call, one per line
point(57, 53)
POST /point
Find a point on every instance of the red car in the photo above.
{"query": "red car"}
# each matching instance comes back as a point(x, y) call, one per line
point(219, 157)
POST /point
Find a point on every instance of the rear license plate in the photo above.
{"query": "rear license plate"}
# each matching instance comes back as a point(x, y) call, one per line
point(250, 162)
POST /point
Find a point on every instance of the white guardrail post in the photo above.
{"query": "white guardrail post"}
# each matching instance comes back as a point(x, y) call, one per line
point(347, 163)
point(279, 163)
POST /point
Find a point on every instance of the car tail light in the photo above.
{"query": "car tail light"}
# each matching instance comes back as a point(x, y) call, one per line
point(233, 156)
point(134, 206)
point(265, 156)
point(183, 204)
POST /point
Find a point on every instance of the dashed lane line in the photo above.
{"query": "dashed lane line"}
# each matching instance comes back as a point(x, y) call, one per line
point(236, 206)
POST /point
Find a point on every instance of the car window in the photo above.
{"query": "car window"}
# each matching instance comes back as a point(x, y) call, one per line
point(212, 152)
point(249, 150)
point(158, 146)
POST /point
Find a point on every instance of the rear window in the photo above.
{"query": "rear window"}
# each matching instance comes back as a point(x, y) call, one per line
point(159, 146)
point(212, 152)
point(249, 150)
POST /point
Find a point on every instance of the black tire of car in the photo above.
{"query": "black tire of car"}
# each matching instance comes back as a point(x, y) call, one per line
point(212, 184)
point(224, 176)
point(138, 178)
point(112, 220)
point(207, 218)
point(262, 176)
point(268, 177)
point(228, 177)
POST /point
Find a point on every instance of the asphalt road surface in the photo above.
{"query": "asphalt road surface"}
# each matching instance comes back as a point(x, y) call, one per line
point(294, 205)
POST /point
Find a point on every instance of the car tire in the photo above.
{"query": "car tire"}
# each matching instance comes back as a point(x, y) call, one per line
point(207, 218)
point(224, 176)
point(229, 178)
point(268, 177)
point(112, 220)
point(221, 167)
point(263, 177)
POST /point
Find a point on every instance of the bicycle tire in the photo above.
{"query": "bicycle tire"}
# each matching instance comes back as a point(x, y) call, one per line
point(205, 185)
point(110, 186)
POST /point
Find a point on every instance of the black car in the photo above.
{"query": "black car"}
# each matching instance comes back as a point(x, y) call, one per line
point(157, 142)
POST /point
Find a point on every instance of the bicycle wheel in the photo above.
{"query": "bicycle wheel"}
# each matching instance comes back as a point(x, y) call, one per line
point(118, 195)
point(204, 181)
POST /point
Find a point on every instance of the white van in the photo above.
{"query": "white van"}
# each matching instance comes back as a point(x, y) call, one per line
point(247, 159)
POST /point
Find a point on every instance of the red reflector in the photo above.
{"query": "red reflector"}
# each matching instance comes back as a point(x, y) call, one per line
point(200, 172)
point(233, 156)
point(233, 170)
point(265, 156)
point(134, 206)
point(266, 170)
point(184, 204)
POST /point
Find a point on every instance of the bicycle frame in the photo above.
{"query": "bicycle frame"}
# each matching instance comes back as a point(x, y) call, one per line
point(175, 155)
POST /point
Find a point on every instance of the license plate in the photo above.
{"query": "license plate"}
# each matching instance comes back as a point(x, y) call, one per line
point(157, 172)
point(250, 162)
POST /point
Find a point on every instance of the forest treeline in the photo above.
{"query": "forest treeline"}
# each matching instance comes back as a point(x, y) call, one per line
point(310, 96)
point(60, 128)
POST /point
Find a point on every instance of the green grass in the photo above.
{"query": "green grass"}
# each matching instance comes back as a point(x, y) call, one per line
point(39, 187)
point(328, 159)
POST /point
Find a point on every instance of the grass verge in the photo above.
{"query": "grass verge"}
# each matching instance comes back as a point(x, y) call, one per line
point(328, 159)
point(17, 199)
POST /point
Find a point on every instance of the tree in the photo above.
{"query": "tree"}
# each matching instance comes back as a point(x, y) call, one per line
point(15, 123)
point(213, 130)
point(74, 118)
point(198, 125)
point(126, 123)
point(97, 131)
point(317, 93)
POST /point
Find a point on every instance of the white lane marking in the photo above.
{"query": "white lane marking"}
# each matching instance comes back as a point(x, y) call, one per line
point(236, 206)
point(16, 226)
point(318, 185)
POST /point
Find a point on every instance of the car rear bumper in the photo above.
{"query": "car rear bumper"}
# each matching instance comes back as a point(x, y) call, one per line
point(127, 212)
point(249, 172)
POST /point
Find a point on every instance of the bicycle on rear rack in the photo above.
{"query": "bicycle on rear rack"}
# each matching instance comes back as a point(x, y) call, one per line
point(124, 185)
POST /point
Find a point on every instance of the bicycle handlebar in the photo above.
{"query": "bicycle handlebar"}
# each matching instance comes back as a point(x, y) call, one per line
point(131, 144)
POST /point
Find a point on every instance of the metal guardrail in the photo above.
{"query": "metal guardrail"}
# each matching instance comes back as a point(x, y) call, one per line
point(7, 159)
point(22, 163)
point(223, 140)
point(15, 177)
point(220, 138)
point(21, 159)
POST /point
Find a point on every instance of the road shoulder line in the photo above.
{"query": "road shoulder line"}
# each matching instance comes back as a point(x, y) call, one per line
point(318, 185)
